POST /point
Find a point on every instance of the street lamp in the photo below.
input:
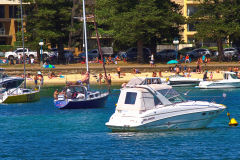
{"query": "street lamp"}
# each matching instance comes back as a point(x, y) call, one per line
point(41, 51)
point(176, 42)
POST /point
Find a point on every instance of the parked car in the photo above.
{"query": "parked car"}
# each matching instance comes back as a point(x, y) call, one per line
point(199, 52)
point(2, 54)
point(166, 54)
point(131, 54)
point(92, 54)
point(230, 52)
point(185, 49)
point(19, 51)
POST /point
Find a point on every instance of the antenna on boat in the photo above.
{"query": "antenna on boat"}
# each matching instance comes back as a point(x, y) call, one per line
point(24, 56)
point(232, 121)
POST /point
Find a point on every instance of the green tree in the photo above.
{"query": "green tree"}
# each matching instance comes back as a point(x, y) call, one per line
point(49, 20)
point(215, 20)
point(140, 22)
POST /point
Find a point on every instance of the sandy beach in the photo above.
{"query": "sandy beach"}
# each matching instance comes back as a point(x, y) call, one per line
point(125, 77)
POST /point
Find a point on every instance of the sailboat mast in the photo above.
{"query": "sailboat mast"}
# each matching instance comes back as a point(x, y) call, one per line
point(85, 37)
point(23, 44)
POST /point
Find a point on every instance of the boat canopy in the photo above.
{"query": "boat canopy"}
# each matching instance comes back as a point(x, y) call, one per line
point(143, 81)
point(142, 98)
point(230, 75)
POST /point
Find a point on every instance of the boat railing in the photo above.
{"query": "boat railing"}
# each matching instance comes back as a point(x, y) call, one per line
point(11, 92)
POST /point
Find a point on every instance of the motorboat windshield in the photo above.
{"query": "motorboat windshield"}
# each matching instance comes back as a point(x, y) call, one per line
point(172, 95)
point(144, 81)
point(176, 76)
point(234, 76)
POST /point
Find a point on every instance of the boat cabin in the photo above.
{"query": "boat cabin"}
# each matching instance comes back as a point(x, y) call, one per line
point(230, 75)
point(143, 98)
point(144, 81)
point(77, 92)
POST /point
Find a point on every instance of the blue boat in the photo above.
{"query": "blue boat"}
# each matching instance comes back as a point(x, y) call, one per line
point(78, 97)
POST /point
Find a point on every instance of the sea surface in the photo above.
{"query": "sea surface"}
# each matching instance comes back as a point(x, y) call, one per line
point(38, 130)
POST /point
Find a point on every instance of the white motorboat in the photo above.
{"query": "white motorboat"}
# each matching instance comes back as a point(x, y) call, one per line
point(179, 80)
point(159, 107)
point(230, 80)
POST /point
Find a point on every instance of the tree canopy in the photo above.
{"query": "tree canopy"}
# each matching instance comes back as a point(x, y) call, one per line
point(216, 20)
point(140, 22)
point(48, 20)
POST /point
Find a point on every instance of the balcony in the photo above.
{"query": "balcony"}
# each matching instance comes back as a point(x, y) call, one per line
point(10, 2)
point(193, 2)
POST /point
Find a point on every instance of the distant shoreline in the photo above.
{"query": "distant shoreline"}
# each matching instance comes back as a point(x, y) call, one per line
point(125, 77)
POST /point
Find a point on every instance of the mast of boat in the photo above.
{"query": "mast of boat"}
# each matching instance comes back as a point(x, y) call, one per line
point(100, 51)
point(24, 56)
point(85, 38)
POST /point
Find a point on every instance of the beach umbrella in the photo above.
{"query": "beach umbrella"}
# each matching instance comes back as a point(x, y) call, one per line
point(172, 62)
point(49, 66)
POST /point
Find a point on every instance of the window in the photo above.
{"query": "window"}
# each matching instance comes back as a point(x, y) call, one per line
point(191, 10)
point(234, 76)
point(157, 101)
point(130, 98)
point(2, 15)
point(191, 27)
point(2, 29)
point(172, 95)
point(13, 12)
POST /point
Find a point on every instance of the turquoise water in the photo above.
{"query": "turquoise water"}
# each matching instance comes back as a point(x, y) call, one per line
point(40, 131)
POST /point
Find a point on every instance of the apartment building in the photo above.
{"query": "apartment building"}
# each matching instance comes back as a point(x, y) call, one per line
point(9, 21)
point(189, 7)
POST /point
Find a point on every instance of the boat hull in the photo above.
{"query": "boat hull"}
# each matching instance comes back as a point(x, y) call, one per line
point(182, 121)
point(81, 104)
point(178, 83)
point(23, 98)
point(218, 85)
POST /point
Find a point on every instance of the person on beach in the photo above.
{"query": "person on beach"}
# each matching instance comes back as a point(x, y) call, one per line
point(177, 70)
point(40, 77)
point(160, 74)
point(211, 76)
point(55, 94)
point(205, 77)
point(154, 74)
point(109, 78)
point(119, 72)
point(100, 76)
point(86, 78)
point(35, 79)
point(187, 59)
point(152, 60)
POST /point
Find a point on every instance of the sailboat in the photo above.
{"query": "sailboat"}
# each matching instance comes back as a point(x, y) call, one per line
point(79, 96)
point(18, 94)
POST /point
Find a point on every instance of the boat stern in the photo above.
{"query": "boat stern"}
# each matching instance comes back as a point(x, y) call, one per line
point(60, 103)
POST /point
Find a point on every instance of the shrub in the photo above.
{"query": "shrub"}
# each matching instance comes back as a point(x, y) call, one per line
point(4, 48)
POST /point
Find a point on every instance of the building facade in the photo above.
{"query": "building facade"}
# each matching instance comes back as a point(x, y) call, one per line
point(9, 21)
point(188, 8)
